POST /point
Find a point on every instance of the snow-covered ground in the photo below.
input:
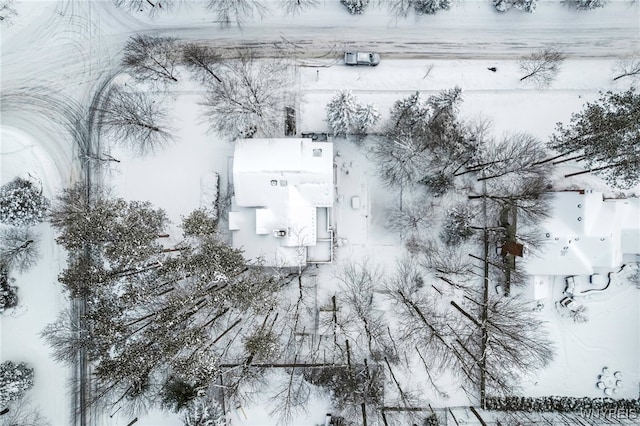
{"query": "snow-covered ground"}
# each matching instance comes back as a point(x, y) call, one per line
point(63, 45)
point(40, 295)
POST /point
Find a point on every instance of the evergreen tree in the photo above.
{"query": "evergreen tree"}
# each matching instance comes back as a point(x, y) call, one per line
point(204, 412)
point(341, 112)
point(15, 381)
point(367, 116)
point(21, 203)
point(605, 136)
point(410, 117)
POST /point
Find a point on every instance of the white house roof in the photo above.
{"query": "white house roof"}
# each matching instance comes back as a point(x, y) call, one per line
point(264, 168)
point(586, 234)
point(279, 186)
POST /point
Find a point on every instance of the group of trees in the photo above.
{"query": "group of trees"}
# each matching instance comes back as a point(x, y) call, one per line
point(230, 12)
point(348, 116)
point(433, 326)
point(159, 319)
point(245, 97)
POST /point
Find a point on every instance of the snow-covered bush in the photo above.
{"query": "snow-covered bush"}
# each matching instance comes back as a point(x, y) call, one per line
point(21, 204)
point(15, 380)
point(586, 4)
point(8, 293)
point(457, 225)
point(524, 5)
point(341, 112)
point(355, 7)
point(204, 412)
point(429, 7)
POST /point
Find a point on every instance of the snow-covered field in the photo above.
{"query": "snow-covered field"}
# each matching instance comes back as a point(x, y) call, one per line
point(171, 178)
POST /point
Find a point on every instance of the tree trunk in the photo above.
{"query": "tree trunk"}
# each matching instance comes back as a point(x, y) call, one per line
point(594, 170)
point(465, 313)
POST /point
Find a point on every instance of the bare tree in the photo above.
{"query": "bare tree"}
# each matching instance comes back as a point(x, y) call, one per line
point(23, 413)
point(152, 59)
point(250, 99)
point(7, 12)
point(517, 153)
point(542, 67)
point(628, 67)
point(135, 120)
point(401, 161)
point(203, 61)
point(293, 7)
point(18, 248)
point(290, 397)
point(516, 337)
point(360, 317)
point(236, 11)
point(414, 217)
point(423, 323)
point(152, 7)
point(530, 196)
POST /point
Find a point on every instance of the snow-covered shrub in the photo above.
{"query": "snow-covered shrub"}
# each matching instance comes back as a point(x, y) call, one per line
point(457, 225)
point(586, 4)
point(21, 204)
point(15, 380)
point(355, 7)
point(341, 112)
point(524, 5)
point(429, 7)
point(8, 293)
point(204, 412)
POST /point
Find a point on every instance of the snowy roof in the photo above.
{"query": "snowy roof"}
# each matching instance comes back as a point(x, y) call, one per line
point(263, 169)
point(587, 233)
point(279, 186)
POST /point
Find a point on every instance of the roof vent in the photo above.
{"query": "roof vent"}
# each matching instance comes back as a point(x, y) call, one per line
point(579, 219)
point(274, 182)
point(317, 152)
point(579, 206)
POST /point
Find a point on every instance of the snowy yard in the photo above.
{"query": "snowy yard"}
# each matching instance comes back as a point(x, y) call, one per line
point(172, 179)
